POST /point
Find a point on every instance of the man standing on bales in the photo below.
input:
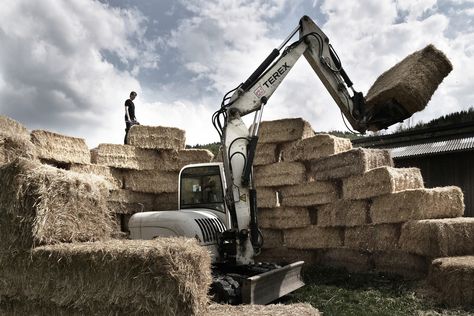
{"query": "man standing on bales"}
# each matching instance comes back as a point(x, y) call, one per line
point(130, 118)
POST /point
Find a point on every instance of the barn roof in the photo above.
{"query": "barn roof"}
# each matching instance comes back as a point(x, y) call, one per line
point(459, 144)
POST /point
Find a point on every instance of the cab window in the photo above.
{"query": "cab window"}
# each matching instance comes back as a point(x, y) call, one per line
point(201, 187)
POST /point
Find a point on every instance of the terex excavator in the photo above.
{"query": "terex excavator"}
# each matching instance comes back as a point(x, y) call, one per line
point(218, 201)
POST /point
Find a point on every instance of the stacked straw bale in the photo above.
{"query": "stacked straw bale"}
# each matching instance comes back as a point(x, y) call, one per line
point(156, 137)
point(299, 309)
point(267, 198)
point(401, 263)
point(166, 201)
point(314, 237)
point(112, 175)
point(349, 163)
point(380, 181)
point(151, 181)
point(346, 213)
point(417, 204)
point(372, 237)
point(137, 277)
point(349, 259)
point(309, 194)
point(280, 174)
point(172, 160)
point(453, 277)
point(266, 153)
point(129, 202)
point(284, 217)
point(286, 130)
point(14, 141)
point(45, 205)
point(438, 237)
point(284, 255)
point(12, 127)
point(57, 148)
point(315, 147)
point(124, 157)
point(411, 82)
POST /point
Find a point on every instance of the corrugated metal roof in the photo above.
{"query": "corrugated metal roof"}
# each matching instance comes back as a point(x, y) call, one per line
point(433, 148)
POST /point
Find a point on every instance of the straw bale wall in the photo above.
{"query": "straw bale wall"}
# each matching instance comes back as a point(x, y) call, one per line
point(279, 174)
point(411, 82)
point(13, 146)
point(156, 137)
point(266, 154)
point(60, 148)
point(285, 130)
point(112, 175)
point(309, 194)
point(315, 147)
point(11, 127)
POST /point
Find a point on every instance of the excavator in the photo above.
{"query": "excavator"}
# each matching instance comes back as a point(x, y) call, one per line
point(217, 202)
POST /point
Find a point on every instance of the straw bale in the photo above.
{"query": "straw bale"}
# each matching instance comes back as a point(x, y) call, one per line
point(300, 309)
point(112, 175)
point(9, 126)
point(412, 81)
point(380, 181)
point(156, 137)
point(125, 157)
point(272, 238)
point(267, 198)
point(351, 260)
point(313, 237)
point(315, 147)
point(418, 204)
point(172, 160)
point(285, 130)
point(279, 174)
point(343, 213)
point(166, 201)
point(309, 194)
point(349, 163)
point(14, 146)
point(372, 237)
point(404, 264)
point(129, 202)
point(283, 217)
point(46, 205)
point(170, 275)
point(438, 237)
point(453, 278)
point(283, 255)
point(60, 148)
point(265, 154)
point(151, 181)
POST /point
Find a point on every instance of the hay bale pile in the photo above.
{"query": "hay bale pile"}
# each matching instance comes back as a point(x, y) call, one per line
point(14, 141)
point(156, 137)
point(411, 82)
point(299, 309)
point(351, 208)
point(57, 252)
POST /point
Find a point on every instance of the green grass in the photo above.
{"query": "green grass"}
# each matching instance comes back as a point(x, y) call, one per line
point(336, 292)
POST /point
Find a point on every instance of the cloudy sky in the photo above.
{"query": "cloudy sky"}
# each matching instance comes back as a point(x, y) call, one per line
point(68, 66)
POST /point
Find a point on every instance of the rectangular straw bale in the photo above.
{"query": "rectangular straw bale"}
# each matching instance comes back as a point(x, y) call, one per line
point(372, 237)
point(156, 137)
point(343, 213)
point(300, 309)
point(172, 160)
point(283, 217)
point(411, 82)
point(315, 147)
point(380, 181)
point(272, 238)
point(417, 204)
point(125, 157)
point(166, 201)
point(348, 163)
point(313, 237)
point(453, 279)
point(279, 174)
point(267, 197)
point(130, 202)
point(13, 146)
point(151, 181)
point(283, 255)
point(114, 176)
point(45, 205)
point(265, 154)
point(351, 260)
point(404, 264)
point(285, 130)
point(9, 126)
point(60, 148)
point(438, 237)
point(169, 275)
point(309, 194)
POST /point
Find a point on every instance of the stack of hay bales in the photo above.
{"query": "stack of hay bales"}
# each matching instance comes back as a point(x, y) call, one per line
point(14, 141)
point(57, 252)
point(322, 201)
point(148, 169)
